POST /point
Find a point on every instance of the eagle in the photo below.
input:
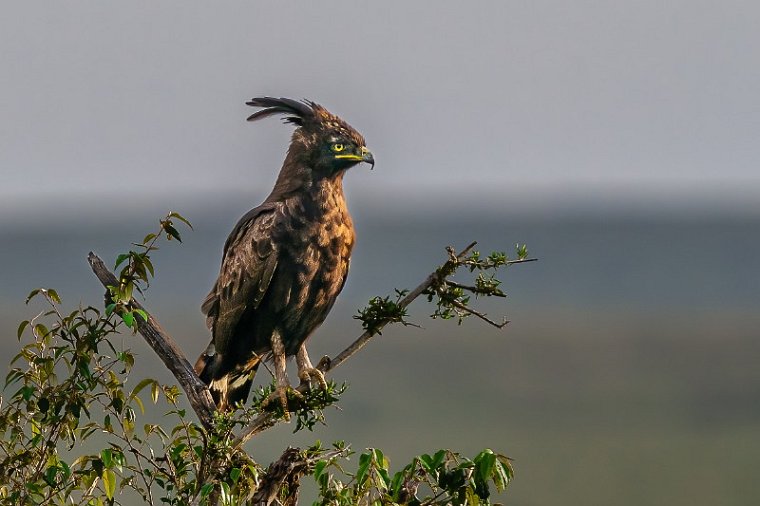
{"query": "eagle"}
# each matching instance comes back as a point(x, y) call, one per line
point(285, 261)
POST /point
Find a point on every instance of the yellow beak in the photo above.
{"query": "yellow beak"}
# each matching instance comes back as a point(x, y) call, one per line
point(365, 156)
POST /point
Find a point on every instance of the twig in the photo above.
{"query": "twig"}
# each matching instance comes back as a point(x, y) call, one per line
point(521, 261)
point(266, 420)
point(469, 288)
point(167, 350)
point(480, 315)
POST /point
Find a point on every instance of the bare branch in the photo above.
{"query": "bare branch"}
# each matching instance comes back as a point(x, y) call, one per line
point(521, 261)
point(469, 288)
point(478, 314)
point(167, 350)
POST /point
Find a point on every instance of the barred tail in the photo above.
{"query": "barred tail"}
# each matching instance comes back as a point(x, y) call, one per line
point(230, 388)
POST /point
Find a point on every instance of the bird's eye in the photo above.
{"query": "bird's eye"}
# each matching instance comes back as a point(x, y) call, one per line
point(338, 147)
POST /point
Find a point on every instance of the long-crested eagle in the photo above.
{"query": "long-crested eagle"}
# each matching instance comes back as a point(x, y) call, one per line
point(286, 261)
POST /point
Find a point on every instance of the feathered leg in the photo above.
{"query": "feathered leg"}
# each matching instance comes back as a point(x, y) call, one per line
point(306, 371)
point(281, 375)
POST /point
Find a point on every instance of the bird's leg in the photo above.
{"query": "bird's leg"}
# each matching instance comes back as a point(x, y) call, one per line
point(306, 371)
point(281, 375)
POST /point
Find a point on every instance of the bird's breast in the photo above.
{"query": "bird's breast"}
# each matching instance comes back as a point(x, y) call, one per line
point(316, 238)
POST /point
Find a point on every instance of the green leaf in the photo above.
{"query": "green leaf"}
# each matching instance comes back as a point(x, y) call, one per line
point(206, 489)
point(109, 483)
point(119, 460)
point(484, 464)
point(180, 218)
point(129, 319)
point(226, 496)
point(106, 456)
point(65, 470)
point(139, 404)
point(396, 482)
point(126, 294)
point(40, 330)
point(53, 295)
point(154, 391)
point(365, 459)
point(472, 498)
point(438, 459)
point(319, 468)
point(32, 294)
point(235, 474)
point(426, 462)
point(127, 358)
point(44, 404)
point(50, 475)
point(120, 259)
point(22, 326)
point(140, 386)
point(149, 265)
point(380, 458)
point(142, 314)
point(503, 472)
point(172, 232)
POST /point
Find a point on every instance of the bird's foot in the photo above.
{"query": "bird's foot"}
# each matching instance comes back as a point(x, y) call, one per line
point(309, 374)
point(280, 394)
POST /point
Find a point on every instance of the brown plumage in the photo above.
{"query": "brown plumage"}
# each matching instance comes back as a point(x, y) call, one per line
point(285, 261)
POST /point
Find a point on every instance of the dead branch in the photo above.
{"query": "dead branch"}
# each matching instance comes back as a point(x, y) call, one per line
point(167, 350)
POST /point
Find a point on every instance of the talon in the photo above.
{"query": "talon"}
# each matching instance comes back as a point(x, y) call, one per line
point(324, 363)
point(308, 374)
point(281, 394)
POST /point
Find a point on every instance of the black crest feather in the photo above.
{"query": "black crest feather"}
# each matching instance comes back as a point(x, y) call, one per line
point(297, 112)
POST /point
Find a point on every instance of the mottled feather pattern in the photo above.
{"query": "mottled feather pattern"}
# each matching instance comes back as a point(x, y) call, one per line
point(285, 262)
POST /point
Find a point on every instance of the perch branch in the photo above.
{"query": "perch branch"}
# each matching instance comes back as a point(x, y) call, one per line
point(266, 420)
point(167, 350)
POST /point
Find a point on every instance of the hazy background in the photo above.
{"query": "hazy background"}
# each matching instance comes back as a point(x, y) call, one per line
point(619, 140)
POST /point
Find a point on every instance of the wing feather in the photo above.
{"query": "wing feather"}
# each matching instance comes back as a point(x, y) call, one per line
point(248, 264)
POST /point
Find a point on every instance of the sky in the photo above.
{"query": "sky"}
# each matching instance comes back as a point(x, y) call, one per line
point(598, 101)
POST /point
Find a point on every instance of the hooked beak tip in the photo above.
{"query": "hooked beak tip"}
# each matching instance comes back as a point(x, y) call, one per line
point(368, 158)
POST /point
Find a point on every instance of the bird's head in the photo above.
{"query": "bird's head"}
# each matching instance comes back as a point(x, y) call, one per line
point(324, 141)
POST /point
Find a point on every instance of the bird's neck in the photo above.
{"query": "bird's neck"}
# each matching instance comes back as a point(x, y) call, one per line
point(311, 200)
point(297, 180)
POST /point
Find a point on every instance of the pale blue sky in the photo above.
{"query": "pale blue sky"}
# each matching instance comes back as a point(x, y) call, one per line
point(601, 100)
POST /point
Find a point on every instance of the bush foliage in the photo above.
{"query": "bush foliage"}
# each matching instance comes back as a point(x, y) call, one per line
point(73, 428)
